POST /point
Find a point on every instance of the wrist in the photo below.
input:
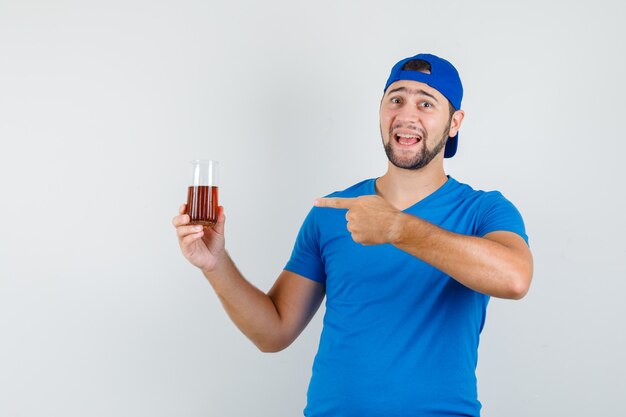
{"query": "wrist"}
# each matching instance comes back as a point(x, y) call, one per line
point(218, 263)
point(398, 227)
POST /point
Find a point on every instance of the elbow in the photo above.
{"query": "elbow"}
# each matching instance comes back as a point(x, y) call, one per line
point(518, 291)
point(519, 285)
point(271, 346)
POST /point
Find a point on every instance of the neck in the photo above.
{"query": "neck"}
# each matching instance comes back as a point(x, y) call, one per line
point(403, 188)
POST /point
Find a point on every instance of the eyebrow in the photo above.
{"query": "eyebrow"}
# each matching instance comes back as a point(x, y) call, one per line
point(418, 91)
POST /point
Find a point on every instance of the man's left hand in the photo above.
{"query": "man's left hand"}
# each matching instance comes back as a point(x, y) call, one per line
point(371, 219)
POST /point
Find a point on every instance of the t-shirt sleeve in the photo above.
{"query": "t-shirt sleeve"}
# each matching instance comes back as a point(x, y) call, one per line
point(499, 214)
point(306, 259)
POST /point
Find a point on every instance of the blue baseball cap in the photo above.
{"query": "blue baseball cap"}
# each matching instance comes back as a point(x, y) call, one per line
point(443, 77)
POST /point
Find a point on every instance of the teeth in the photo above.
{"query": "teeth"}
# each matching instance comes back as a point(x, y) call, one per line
point(407, 136)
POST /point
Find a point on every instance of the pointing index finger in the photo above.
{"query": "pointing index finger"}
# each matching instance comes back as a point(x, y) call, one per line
point(334, 202)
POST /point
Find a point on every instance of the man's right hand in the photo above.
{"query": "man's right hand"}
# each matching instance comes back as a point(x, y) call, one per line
point(271, 321)
point(203, 247)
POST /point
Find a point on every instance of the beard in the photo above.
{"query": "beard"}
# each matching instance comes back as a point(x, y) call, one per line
point(424, 155)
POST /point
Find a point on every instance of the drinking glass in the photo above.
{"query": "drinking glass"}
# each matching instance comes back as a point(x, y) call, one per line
point(202, 193)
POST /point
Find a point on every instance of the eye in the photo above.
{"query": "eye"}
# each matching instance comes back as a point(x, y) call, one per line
point(426, 104)
point(396, 100)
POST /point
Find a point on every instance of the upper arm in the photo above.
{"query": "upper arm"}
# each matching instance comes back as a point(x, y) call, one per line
point(297, 299)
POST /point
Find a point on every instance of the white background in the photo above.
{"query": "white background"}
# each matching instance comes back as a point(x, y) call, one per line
point(102, 105)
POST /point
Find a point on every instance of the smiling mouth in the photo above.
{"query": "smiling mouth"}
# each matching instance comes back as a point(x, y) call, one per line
point(407, 139)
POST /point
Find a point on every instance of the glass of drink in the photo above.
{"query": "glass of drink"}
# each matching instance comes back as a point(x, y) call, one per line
point(202, 193)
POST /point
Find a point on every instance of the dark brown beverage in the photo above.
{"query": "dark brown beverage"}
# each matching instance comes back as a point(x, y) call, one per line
point(202, 204)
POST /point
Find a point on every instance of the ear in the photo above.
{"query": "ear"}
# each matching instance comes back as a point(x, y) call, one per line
point(455, 123)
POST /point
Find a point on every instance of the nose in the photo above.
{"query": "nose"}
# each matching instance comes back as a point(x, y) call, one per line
point(408, 114)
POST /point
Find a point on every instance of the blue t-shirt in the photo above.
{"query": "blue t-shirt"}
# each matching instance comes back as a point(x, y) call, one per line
point(400, 337)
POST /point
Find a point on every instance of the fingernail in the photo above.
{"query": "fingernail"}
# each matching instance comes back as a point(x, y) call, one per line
point(197, 228)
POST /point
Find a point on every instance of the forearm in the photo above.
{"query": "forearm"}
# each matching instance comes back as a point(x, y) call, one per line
point(252, 311)
point(481, 264)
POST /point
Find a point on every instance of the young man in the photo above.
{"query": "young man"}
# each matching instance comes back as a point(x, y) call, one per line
point(407, 263)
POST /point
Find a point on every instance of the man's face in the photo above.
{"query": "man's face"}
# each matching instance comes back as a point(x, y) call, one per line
point(414, 124)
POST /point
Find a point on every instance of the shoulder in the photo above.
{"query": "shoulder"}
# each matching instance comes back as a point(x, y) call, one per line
point(483, 197)
point(493, 211)
point(364, 187)
point(319, 215)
